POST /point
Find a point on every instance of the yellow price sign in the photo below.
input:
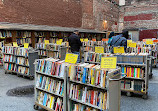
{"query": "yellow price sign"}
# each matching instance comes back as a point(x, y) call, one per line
point(59, 42)
point(99, 49)
point(131, 44)
point(129, 41)
point(2, 37)
point(119, 50)
point(24, 37)
point(81, 40)
point(46, 41)
point(86, 39)
point(26, 45)
point(71, 58)
point(15, 44)
point(108, 62)
point(149, 41)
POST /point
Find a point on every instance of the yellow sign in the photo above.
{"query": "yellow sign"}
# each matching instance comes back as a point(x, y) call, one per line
point(108, 62)
point(119, 50)
point(99, 49)
point(26, 45)
point(46, 41)
point(15, 44)
point(129, 41)
point(86, 40)
point(59, 42)
point(81, 40)
point(131, 44)
point(24, 37)
point(2, 37)
point(71, 58)
point(149, 41)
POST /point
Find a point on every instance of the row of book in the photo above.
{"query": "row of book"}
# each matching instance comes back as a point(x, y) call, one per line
point(5, 34)
point(42, 53)
point(23, 40)
point(80, 107)
point(88, 74)
point(23, 34)
point(51, 85)
point(133, 71)
point(91, 96)
point(133, 85)
point(22, 70)
point(21, 51)
point(94, 57)
point(22, 61)
point(10, 66)
point(9, 50)
point(40, 46)
point(56, 55)
point(9, 58)
point(132, 59)
point(39, 34)
point(54, 47)
point(40, 39)
point(52, 102)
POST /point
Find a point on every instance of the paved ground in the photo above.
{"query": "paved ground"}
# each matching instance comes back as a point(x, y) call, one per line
point(25, 103)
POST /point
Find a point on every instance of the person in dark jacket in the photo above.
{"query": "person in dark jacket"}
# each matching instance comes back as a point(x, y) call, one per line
point(75, 43)
point(120, 40)
point(110, 37)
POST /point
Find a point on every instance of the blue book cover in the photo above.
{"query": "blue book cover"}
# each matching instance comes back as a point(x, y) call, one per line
point(62, 89)
point(45, 99)
point(84, 76)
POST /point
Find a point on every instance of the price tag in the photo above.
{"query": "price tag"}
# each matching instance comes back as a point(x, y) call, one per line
point(131, 44)
point(99, 49)
point(149, 41)
point(93, 39)
point(86, 40)
point(26, 45)
point(71, 58)
point(24, 37)
point(119, 50)
point(108, 62)
point(61, 40)
point(129, 41)
point(105, 39)
point(15, 44)
point(2, 37)
point(81, 40)
point(46, 41)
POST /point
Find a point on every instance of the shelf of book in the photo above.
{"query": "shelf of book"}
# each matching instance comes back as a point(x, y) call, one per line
point(48, 85)
point(16, 59)
point(127, 90)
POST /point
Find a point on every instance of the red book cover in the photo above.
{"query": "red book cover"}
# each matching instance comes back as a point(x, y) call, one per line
point(92, 97)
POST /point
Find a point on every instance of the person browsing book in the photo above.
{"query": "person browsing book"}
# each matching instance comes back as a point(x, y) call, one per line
point(75, 44)
point(120, 40)
point(110, 37)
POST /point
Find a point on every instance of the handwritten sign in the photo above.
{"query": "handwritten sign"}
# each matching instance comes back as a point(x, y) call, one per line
point(81, 40)
point(155, 40)
point(71, 58)
point(149, 41)
point(15, 44)
point(46, 41)
point(108, 62)
point(131, 44)
point(86, 39)
point(61, 40)
point(26, 45)
point(119, 50)
point(99, 49)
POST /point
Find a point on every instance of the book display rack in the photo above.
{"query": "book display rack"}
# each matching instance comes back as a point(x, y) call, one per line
point(16, 60)
point(68, 87)
point(136, 67)
point(1, 55)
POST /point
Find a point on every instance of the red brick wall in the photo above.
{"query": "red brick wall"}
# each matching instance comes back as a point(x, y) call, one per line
point(152, 33)
point(87, 14)
point(66, 13)
point(142, 14)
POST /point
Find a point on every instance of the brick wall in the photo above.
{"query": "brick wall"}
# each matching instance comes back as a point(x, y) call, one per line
point(88, 14)
point(139, 14)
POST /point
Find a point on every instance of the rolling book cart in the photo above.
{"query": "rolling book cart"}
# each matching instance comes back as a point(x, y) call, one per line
point(49, 86)
point(136, 69)
point(18, 60)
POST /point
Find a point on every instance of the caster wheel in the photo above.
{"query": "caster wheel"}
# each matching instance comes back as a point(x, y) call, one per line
point(145, 96)
point(32, 78)
point(129, 94)
point(35, 107)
